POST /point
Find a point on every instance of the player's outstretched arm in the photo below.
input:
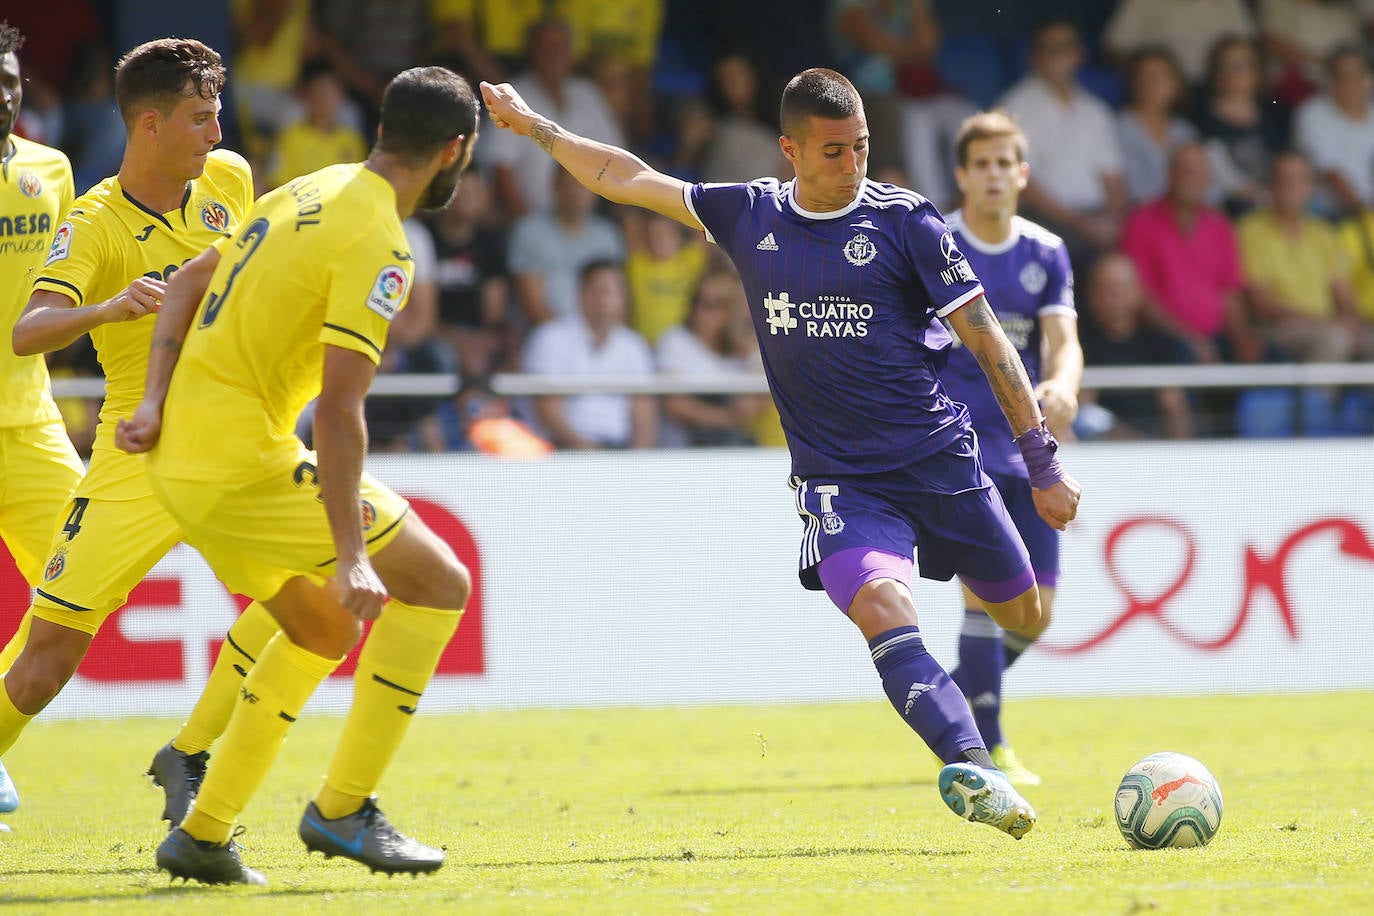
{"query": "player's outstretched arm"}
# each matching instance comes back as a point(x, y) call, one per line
point(52, 320)
point(140, 432)
point(614, 173)
point(1054, 491)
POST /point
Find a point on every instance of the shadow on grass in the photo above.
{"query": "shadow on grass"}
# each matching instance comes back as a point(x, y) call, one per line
point(190, 890)
point(686, 855)
point(792, 788)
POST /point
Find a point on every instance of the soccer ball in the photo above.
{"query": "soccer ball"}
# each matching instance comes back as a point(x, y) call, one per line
point(1168, 799)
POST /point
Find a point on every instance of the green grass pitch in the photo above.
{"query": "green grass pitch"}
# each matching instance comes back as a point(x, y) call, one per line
point(779, 809)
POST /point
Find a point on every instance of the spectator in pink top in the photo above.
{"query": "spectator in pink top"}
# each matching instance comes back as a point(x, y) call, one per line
point(1185, 252)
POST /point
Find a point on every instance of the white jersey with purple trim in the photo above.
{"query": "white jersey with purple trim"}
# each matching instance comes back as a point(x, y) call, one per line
point(1027, 276)
point(845, 305)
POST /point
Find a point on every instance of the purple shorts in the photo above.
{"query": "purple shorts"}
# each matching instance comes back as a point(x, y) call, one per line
point(944, 508)
point(1040, 539)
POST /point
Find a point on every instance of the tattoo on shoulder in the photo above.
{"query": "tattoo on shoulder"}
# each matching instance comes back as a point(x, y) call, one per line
point(544, 132)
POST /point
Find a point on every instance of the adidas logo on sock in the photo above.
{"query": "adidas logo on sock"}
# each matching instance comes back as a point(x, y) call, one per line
point(768, 243)
point(916, 690)
point(985, 700)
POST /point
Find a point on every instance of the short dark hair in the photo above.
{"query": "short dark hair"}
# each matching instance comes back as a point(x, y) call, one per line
point(11, 39)
point(596, 266)
point(818, 93)
point(422, 109)
point(1149, 53)
point(1340, 53)
point(155, 74)
point(1219, 49)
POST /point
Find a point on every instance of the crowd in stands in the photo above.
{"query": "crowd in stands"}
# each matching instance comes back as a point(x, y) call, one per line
point(1209, 164)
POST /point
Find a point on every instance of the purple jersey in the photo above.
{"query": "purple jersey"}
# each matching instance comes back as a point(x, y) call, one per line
point(845, 306)
point(1026, 276)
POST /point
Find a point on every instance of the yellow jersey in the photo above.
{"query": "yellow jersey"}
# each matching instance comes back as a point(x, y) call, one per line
point(321, 260)
point(109, 239)
point(36, 191)
point(303, 148)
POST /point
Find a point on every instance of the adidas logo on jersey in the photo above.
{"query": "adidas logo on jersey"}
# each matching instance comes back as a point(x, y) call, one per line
point(768, 243)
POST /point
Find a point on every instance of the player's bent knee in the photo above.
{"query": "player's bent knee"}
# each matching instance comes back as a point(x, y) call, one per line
point(1019, 614)
point(880, 605)
point(312, 618)
point(420, 569)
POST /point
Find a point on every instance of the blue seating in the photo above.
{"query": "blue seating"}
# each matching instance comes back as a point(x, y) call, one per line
point(1267, 413)
point(973, 65)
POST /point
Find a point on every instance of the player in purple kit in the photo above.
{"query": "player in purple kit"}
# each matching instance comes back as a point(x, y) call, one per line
point(1025, 270)
point(845, 280)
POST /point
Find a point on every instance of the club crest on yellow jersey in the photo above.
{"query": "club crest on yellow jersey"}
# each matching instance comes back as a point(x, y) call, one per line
point(215, 216)
point(29, 185)
point(56, 565)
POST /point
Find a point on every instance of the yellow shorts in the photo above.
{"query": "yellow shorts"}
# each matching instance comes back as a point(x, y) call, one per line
point(38, 471)
point(111, 533)
point(257, 536)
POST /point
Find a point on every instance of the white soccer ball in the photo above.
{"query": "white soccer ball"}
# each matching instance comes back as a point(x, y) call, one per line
point(1168, 799)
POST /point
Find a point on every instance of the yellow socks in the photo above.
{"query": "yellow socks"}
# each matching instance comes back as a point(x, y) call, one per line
point(396, 663)
point(12, 721)
point(271, 697)
point(16, 643)
point(242, 646)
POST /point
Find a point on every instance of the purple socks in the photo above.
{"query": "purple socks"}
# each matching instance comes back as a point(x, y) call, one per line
point(923, 694)
point(979, 675)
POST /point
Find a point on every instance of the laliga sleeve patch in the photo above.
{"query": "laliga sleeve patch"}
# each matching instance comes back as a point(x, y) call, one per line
point(388, 292)
point(61, 244)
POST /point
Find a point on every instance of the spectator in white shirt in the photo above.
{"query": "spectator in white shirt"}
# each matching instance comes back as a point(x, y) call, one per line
point(594, 342)
point(1076, 188)
point(712, 341)
point(548, 251)
point(1336, 131)
point(522, 172)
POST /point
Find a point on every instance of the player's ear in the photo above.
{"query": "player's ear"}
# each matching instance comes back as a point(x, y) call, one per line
point(1022, 176)
point(149, 121)
point(789, 148)
point(453, 150)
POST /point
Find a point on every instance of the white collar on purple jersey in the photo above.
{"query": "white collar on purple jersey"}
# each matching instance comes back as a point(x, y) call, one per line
point(955, 221)
point(832, 214)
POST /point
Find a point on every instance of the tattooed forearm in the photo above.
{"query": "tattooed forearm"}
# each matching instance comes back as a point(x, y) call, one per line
point(167, 343)
point(604, 166)
point(544, 132)
point(982, 334)
point(979, 315)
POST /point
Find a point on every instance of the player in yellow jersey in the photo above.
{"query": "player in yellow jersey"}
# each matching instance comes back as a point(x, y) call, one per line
point(38, 466)
point(105, 272)
point(297, 305)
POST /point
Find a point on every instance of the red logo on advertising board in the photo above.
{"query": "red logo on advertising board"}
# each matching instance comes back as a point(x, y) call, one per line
point(1258, 574)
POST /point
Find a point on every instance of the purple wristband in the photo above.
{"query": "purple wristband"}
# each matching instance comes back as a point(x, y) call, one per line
point(1038, 447)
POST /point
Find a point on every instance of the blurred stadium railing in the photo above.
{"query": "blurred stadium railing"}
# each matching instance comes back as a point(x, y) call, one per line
point(1276, 375)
